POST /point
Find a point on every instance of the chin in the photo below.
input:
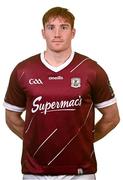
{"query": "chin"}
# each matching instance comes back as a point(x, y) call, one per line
point(57, 49)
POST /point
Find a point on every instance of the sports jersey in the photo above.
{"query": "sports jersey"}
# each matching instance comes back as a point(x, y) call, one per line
point(59, 103)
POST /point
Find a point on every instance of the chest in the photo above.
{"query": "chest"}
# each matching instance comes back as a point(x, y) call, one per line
point(55, 85)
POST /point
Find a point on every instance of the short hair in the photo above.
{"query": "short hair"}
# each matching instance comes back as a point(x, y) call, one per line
point(59, 12)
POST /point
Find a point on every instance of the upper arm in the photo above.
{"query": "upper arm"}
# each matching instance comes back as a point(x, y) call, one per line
point(102, 92)
point(104, 98)
point(110, 114)
point(15, 97)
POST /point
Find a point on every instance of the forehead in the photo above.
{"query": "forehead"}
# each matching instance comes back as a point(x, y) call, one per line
point(57, 20)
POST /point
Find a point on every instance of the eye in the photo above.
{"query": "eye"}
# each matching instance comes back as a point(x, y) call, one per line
point(50, 27)
point(64, 27)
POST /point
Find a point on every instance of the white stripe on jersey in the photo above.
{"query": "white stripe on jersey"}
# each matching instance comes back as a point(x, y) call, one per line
point(29, 125)
point(73, 136)
point(21, 75)
point(79, 64)
point(44, 142)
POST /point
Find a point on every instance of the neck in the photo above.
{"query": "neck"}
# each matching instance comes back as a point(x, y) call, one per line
point(57, 58)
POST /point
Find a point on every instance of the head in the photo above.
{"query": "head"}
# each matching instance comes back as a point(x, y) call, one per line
point(58, 29)
point(59, 12)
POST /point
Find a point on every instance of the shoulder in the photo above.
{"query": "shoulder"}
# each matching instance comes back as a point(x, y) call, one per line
point(88, 62)
point(29, 62)
point(26, 66)
point(90, 69)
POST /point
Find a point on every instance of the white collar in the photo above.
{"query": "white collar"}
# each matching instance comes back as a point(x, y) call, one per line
point(59, 68)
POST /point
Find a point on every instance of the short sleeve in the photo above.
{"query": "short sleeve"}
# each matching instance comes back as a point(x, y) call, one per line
point(102, 92)
point(15, 98)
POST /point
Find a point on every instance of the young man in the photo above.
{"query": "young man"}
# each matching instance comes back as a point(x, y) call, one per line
point(59, 90)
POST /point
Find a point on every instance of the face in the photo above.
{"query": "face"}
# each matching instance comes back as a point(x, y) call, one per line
point(58, 34)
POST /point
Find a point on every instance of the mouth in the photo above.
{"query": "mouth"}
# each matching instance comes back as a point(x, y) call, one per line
point(57, 41)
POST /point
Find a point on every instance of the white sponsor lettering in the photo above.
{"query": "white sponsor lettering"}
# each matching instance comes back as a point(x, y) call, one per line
point(38, 106)
point(56, 78)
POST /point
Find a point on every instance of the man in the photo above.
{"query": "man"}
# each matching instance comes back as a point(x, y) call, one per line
point(59, 90)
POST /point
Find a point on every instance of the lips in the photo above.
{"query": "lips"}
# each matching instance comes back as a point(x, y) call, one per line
point(57, 41)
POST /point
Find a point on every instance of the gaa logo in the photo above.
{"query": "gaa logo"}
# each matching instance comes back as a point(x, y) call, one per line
point(75, 82)
point(35, 81)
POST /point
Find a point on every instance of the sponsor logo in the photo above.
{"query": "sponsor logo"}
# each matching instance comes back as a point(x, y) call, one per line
point(35, 81)
point(75, 82)
point(38, 105)
point(56, 78)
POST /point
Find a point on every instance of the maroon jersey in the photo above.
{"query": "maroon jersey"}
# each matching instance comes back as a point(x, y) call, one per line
point(59, 104)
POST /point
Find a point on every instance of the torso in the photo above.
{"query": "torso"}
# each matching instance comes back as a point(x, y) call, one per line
point(59, 125)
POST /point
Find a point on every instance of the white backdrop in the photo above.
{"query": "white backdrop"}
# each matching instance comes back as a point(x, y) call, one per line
point(99, 26)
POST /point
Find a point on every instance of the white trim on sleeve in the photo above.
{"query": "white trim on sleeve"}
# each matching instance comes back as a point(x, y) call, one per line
point(106, 103)
point(13, 107)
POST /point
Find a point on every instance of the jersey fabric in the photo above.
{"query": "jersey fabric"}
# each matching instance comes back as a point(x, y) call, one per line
point(59, 104)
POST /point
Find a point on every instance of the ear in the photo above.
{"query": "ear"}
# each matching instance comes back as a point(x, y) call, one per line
point(43, 33)
point(73, 32)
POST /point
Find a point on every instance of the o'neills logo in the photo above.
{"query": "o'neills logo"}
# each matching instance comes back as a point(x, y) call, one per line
point(55, 105)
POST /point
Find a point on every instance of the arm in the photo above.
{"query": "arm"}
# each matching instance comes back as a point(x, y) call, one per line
point(110, 118)
point(15, 122)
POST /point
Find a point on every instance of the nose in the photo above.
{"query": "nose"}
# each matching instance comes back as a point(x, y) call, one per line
point(57, 33)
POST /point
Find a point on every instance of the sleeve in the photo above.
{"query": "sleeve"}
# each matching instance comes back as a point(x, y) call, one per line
point(15, 99)
point(102, 92)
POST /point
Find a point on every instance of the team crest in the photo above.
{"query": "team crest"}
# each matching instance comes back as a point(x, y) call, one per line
point(75, 82)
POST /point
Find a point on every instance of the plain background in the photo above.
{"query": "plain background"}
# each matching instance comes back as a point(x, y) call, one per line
point(99, 26)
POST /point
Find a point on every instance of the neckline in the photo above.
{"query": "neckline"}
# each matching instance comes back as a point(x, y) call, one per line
point(59, 68)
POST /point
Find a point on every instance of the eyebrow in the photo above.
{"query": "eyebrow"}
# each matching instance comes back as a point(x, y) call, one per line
point(60, 24)
point(65, 24)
